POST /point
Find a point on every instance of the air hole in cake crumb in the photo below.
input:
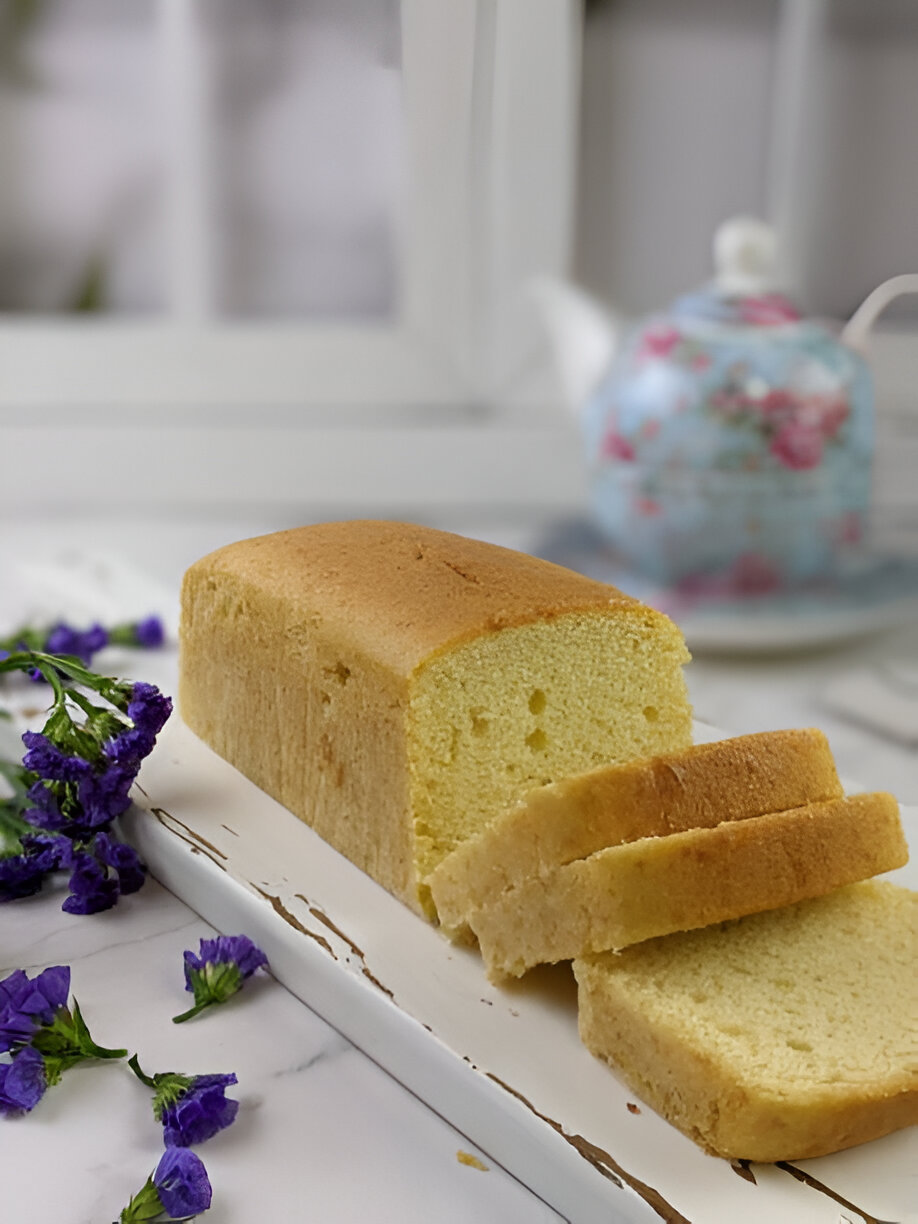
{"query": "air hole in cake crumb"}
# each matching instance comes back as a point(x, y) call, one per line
point(537, 740)
point(536, 701)
point(340, 671)
point(731, 1030)
point(325, 697)
point(803, 1046)
point(480, 724)
point(651, 713)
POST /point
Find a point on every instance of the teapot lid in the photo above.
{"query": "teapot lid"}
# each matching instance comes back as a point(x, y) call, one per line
point(743, 291)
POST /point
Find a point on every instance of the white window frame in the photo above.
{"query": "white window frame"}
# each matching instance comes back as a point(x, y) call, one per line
point(384, 414)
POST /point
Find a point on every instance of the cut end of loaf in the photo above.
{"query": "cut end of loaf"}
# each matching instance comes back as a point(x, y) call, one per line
point(507, 712)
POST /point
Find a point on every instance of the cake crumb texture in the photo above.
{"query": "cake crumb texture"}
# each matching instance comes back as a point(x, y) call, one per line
point(777, 1036)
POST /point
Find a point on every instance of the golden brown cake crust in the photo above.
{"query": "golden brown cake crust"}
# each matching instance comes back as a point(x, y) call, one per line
point(403, 593)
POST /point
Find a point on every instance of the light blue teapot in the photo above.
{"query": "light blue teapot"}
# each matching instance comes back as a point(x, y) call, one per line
point(727, 438)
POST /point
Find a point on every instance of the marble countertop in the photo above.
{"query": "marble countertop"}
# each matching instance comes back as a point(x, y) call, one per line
point(322, 1133)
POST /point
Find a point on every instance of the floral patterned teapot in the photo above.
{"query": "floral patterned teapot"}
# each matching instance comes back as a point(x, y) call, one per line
point(728, 438)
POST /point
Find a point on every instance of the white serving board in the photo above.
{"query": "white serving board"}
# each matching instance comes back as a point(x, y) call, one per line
point(506, 1065)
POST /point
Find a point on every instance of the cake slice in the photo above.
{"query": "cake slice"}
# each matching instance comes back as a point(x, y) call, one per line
point(780, 1036)
point(394, 686)
point(635, 891)
point(699, 787)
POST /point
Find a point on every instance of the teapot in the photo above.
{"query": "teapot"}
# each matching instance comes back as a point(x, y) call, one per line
point(727, 438)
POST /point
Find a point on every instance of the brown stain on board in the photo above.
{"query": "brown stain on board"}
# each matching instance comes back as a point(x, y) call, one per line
point(291, 919)
point(814, 1184)
point(200, 845)
point(603, 1162)
point(322, 917)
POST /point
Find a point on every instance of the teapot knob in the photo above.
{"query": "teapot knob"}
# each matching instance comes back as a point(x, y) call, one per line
point(745, 250)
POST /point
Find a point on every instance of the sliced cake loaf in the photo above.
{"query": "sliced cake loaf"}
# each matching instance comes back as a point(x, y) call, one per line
point(637, 890)
point(698, 787)
point(395, 686)
point(780, 1036)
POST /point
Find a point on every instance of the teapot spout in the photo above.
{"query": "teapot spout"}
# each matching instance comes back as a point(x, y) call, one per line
point(583, 336)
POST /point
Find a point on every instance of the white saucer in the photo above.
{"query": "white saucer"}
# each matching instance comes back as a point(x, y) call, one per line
point(881, 593)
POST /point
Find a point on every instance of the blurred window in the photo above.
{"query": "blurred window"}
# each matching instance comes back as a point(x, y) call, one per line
point(263, 135)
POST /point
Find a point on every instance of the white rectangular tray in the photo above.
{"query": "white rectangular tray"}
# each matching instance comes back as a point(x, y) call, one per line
point(504, 1065)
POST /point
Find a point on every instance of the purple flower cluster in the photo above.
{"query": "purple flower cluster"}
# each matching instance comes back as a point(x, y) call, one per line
point(26, 1005)
point(63, 639)
point(182, 1183)
point(191, 1108)
point(42, 1036)
point(73, 643)
point(78, 782)
point(219, 970)
point(23, 1082)
point(178, 1186)
point(200, 1112)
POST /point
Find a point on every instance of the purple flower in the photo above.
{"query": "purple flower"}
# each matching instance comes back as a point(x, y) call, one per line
point(225, 949)
point(191, 1108)
point(39, 996)
point(124, 860)
point(182, 1183)
point(177, 1189)
point(105, 794)
point(148, 707)
point(220, 969)
point(22, 875)
point(63, 639)
point(46, 759)
point(149, 632)
point(92, 887)
point(28, 1003)
point(199, 1112)
point(102, 870)
point(148, 710)
point(22, 1082)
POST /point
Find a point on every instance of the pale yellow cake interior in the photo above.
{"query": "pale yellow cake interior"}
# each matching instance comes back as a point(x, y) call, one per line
point(503, 713)
point(819, 995)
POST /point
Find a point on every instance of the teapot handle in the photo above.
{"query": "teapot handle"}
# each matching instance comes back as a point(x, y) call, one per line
point(856, 330)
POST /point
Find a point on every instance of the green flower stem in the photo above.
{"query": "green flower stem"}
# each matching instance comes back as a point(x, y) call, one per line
point(134, 1064)
point(67, 1041)
point(193, 1011)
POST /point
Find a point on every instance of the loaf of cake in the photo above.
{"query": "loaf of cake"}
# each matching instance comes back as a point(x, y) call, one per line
point(779, 1036)
point(698, 787)
point(640, 889)
point(396, 687)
